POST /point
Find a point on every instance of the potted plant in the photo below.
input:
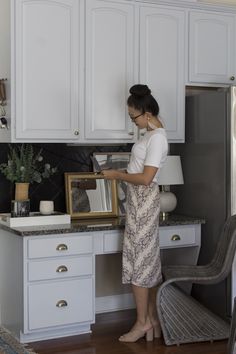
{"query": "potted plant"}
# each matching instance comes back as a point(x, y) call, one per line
point(23, 167)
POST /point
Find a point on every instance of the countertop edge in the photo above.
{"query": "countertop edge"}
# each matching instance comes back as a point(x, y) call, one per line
point(95, 225)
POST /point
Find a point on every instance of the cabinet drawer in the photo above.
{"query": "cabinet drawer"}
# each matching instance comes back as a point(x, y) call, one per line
point(112, 241)
point(177, 236)
point(60, 303)
point(60, 268)
point(169, 237)
point(59, 246)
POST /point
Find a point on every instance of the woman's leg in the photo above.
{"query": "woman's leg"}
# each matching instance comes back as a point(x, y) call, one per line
point(143, 325)
point(141, 296)
point(152, 311)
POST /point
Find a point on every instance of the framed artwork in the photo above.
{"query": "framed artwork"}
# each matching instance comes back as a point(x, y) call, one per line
point(20, 208)
point(118, 161)
point(89, 195)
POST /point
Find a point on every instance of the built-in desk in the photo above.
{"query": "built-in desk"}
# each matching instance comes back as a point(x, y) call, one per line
point(47, 288)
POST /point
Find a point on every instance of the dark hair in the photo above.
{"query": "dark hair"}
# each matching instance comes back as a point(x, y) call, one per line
point(141, 99)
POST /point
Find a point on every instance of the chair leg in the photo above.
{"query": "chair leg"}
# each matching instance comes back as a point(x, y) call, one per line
point(232, 332)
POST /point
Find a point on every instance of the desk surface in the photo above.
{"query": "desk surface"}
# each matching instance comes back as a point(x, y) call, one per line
point(95, 225)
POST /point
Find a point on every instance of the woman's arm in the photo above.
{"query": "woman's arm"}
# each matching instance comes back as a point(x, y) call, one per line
point(144, 178)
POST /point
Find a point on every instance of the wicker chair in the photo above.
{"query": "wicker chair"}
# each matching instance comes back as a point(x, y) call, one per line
point(182, 318)
point(232, 332)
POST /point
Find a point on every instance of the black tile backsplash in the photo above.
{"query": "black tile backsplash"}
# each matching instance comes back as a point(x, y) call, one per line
point(66, 158)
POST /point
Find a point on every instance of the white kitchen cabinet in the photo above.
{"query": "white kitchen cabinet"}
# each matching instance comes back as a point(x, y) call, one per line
point(212, 42)
point(58, 285)
point(45, 70)
point(179, 244)
point(110, 70)
point(60, 303)
point(47, 289)
point(70, 77)
point(179, 236)
point(162, 63)
point(110, 40)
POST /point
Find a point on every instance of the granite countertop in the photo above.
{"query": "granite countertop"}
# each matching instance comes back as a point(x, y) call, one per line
point(95, 225)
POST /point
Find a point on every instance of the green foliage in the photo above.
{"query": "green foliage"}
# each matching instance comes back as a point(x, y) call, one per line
point(24, 165)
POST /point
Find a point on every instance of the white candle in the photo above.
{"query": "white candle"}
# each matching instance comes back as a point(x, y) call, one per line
point(46, 207)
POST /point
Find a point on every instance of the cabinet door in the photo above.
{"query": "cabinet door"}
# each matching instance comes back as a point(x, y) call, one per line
point(110, 70)
point(212, 48)
point(45, 65)
point(60, 303)
point(162, 61)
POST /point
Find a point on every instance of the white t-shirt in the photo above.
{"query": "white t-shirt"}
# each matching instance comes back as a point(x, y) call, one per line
point(150, 150)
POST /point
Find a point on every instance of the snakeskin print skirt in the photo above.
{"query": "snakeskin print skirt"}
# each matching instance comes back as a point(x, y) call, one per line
point(141, 251)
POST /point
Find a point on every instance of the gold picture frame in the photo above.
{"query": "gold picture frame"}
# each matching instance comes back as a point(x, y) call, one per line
point(89, 195)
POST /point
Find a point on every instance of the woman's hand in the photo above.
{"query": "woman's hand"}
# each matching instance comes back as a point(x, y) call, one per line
point(145, 178)
point(110, 174)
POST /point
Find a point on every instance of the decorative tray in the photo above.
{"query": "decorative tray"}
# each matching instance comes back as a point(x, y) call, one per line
point(35, 218)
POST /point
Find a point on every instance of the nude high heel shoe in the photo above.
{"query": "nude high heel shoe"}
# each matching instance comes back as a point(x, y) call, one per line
point(157, 331)
point(135, 335)
point(149, 335)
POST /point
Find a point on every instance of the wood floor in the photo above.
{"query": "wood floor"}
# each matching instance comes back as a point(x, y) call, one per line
point(104, 340)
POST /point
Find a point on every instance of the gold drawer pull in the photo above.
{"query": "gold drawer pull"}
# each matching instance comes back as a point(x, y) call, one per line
point(175, 238)
point(62, 247)
point(61, 303)
point(62, 269)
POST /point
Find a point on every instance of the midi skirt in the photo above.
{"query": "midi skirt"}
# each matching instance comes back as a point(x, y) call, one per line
point(141, 263)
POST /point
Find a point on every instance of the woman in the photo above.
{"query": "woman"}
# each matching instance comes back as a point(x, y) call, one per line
point(141, 253)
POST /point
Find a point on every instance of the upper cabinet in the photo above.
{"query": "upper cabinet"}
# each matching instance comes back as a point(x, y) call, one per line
point(212, 41)
point(162, 63)
point(45, 61)
point(72, 75)
point(110, 71)
point(73, 62)
point(114, 31)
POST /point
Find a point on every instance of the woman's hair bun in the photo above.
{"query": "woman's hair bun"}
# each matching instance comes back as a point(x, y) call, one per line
point(140, 90)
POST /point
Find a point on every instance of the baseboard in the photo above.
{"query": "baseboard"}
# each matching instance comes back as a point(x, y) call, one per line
point(114, 303)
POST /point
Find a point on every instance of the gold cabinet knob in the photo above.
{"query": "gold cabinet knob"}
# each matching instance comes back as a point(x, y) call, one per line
point(175, 238)
point(232, 78)
point(62, 269)
point(61, 303)
point(76, 132)
point(62, 247)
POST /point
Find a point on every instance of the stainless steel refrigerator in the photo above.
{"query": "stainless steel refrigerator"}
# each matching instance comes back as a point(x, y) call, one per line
point(209, 165)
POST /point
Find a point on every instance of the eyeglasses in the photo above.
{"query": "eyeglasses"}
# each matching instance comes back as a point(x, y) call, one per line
point(134, 118)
